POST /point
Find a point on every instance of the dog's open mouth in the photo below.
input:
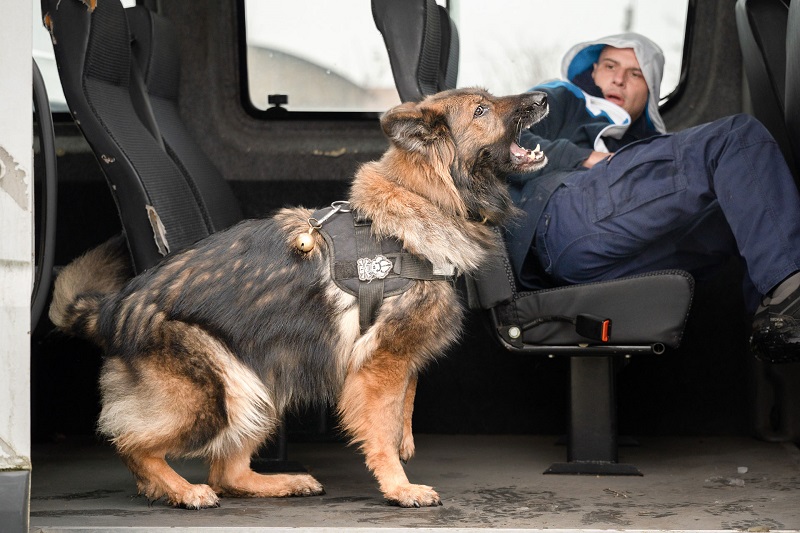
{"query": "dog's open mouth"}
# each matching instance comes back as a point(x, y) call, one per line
point(523, 157)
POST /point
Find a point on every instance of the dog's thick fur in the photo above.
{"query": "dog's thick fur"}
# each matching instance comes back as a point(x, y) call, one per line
point(205, 351)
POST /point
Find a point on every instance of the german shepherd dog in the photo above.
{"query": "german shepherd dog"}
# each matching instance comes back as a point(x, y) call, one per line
point(205, 351)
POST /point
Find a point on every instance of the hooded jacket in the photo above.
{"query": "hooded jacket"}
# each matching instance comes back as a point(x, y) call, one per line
point(580, 121)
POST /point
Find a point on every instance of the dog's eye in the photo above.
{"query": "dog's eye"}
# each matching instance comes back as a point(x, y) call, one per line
point(479, 111)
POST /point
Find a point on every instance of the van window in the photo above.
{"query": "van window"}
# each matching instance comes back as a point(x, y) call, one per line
point(329, 56)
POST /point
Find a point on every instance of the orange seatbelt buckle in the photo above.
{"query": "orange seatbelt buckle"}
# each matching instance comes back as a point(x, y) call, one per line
point(593, 327)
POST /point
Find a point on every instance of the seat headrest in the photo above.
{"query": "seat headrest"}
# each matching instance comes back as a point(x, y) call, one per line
point(422, 42)
point(108, 53)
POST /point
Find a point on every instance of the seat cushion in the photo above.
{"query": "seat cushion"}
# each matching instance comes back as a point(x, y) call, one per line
point(645, 309)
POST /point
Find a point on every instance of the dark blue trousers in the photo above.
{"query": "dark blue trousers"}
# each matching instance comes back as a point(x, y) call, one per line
point(687, 200)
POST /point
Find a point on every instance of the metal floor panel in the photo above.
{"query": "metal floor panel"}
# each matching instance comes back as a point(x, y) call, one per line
point(486, 483)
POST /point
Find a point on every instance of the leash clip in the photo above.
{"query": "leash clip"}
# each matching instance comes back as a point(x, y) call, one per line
point(305, 241)
point(340, 206)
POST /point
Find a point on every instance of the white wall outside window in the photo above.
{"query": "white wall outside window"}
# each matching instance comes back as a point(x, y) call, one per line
point(328, 56)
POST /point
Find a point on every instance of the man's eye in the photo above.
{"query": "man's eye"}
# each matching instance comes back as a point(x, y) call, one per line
point(479, 111)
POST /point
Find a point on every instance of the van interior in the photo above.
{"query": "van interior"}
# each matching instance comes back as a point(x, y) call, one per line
point(674, 427)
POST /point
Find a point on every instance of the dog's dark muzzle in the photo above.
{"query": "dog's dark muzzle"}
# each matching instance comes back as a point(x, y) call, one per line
point(530, 108)
point(533, 108)
point(537, 99)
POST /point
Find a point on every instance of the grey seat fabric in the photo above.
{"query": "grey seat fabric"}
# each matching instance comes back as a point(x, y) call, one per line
point(155, 203)
point(762, 28)
point(423, 46)
point(155, 48)
point(792, 82)
point(161, 206)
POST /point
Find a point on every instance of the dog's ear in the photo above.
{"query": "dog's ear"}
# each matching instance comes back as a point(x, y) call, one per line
point(413, 127)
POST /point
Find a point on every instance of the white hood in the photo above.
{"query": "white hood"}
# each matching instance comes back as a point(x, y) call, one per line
point(648, 54)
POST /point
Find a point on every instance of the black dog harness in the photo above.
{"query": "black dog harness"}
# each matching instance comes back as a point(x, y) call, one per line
point(367, 267)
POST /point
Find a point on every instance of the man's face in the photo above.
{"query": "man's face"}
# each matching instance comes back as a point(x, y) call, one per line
point(619, 77)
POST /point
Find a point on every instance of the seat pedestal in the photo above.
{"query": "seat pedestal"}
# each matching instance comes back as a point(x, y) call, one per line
point(592, 432)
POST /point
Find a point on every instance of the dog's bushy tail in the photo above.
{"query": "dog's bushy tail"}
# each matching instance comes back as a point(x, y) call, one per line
point(81, 286)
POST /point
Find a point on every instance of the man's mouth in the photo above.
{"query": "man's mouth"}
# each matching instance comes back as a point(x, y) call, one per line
point(615, 98)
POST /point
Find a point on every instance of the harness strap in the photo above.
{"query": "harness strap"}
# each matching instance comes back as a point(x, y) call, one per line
point(370, 295)
point(369, 268)
point(405, 265)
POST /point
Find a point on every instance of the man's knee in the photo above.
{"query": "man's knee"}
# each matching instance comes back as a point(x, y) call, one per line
point(747, 125)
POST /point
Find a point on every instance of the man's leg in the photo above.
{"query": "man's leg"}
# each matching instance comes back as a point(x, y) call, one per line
point(666, 202)
point(685, 201)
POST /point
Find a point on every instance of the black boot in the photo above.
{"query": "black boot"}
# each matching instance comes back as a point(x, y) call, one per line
point(776, 326)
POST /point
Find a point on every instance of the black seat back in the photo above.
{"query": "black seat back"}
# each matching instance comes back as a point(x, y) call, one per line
point(762, 27)
point(156, 51)
point(422, 42)
point(157, 203)
point(792, 110)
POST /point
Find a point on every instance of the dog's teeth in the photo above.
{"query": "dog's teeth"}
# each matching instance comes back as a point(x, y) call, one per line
point(536, 154)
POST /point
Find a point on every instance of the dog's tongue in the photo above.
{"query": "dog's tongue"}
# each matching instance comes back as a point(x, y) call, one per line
point(518, 151)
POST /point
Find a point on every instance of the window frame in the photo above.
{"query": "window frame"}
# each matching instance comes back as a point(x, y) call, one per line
point(674, 97)
point(271, 114)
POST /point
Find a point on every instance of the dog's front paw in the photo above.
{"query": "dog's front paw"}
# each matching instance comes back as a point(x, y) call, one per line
point(195, 497)
point(407, 448)
point(413, 496)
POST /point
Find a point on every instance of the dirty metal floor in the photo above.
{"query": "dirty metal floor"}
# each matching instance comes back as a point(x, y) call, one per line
point(486, 482)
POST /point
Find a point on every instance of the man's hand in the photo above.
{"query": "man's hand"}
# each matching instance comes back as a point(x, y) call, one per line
point(594, 158)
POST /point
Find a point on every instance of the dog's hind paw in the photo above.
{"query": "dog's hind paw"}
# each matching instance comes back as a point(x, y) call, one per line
point(253, 485)
point(196, 497)
point(413, 496)
point(305, 485)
